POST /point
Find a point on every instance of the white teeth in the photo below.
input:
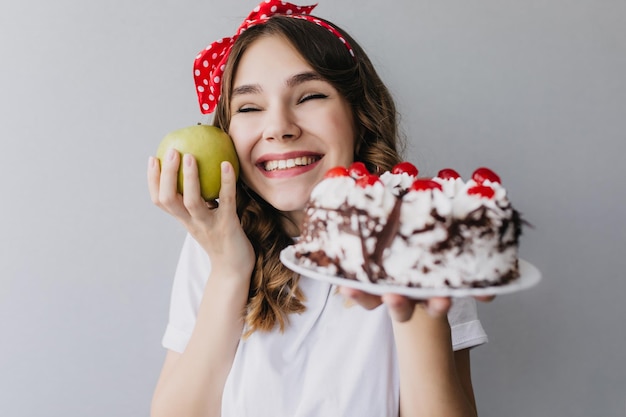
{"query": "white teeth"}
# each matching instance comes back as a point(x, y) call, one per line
point(289, 163)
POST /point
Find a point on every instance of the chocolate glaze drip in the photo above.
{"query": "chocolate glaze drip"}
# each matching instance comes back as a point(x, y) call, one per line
point(476, 220)
point(388, 233)
point(366, 260)
point(314, 226)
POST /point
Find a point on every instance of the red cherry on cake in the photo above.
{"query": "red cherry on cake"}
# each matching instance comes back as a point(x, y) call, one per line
point(448, 174)
point(405, 168)
point(483, 174)
point(422, 184)
point(357, 170)
point(336, 172)
point(367, 180)
point(482, 191)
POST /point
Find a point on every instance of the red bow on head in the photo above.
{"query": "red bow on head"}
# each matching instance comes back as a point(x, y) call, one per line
point(209, 64)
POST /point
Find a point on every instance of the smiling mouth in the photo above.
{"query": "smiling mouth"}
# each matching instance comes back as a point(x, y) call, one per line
point(281, 164)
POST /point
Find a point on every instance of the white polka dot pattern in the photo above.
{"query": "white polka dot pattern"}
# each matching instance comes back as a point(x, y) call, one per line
point(210, 63)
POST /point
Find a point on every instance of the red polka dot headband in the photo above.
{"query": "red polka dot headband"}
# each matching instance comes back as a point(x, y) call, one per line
point(209, 64)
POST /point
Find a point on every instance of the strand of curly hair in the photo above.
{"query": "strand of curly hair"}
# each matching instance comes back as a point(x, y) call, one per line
point(273, 293)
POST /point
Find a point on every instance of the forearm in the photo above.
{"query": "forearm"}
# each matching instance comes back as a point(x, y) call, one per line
point(195, 383)
point(429, 380)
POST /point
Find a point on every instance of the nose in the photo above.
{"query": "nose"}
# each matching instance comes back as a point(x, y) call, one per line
point(281, 125)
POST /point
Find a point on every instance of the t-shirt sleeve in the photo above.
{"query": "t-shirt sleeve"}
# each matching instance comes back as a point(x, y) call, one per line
point(190, 278)
point(467, 331)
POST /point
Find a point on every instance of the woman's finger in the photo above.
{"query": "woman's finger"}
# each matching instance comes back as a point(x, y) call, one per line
point(192, 197)
point(228, 187)
point(365, 300)
point(169, 197)
point(438, 307)
point(154, 176)
point(485, 298)
point(400, 307)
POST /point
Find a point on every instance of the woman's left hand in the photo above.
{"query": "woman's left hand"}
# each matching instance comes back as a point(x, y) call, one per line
point(401, 308)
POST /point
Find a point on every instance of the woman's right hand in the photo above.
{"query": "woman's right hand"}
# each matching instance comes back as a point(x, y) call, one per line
point(216, 229)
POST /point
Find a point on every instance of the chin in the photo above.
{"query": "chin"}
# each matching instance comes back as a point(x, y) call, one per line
point(289, 203)
point(289, 199)
point(289, 196)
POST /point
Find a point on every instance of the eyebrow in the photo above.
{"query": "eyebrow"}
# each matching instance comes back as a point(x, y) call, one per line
point(246, 89)
point(302, 78)
point(291, 82)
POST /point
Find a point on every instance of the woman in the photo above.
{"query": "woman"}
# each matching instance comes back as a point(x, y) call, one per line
point(247, 336)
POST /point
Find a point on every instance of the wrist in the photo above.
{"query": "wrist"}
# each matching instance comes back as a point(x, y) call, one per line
point(424, 327)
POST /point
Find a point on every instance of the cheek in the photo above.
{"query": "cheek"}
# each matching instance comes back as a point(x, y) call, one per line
point(243, 147)
point(242, 141)
point(346, 140)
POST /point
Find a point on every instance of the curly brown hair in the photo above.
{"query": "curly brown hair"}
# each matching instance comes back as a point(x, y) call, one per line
point(274, 292)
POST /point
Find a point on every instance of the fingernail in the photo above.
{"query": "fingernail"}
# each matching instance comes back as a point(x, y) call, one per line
point(151, 162)
point(225, 167)
point(432, 312)
point(187, 159)
point(170, 154)
point(435, 309)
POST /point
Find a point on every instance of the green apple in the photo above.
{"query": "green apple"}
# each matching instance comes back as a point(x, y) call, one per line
point(210, 146)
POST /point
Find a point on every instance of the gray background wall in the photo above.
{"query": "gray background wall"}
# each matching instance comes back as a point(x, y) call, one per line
point(534, 89)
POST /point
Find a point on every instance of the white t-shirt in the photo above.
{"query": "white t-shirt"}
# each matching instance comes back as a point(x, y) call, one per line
point(332, 360)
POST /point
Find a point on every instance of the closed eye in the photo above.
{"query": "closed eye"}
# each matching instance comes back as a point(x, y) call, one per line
point(247, 109)
point(312, 97)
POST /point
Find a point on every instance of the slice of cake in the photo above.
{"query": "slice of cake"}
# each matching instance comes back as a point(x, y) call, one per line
point(423, 227)
point(485, 232)
point(343, 221)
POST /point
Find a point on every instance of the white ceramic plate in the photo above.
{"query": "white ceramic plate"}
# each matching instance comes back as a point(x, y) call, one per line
point(529, 276)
